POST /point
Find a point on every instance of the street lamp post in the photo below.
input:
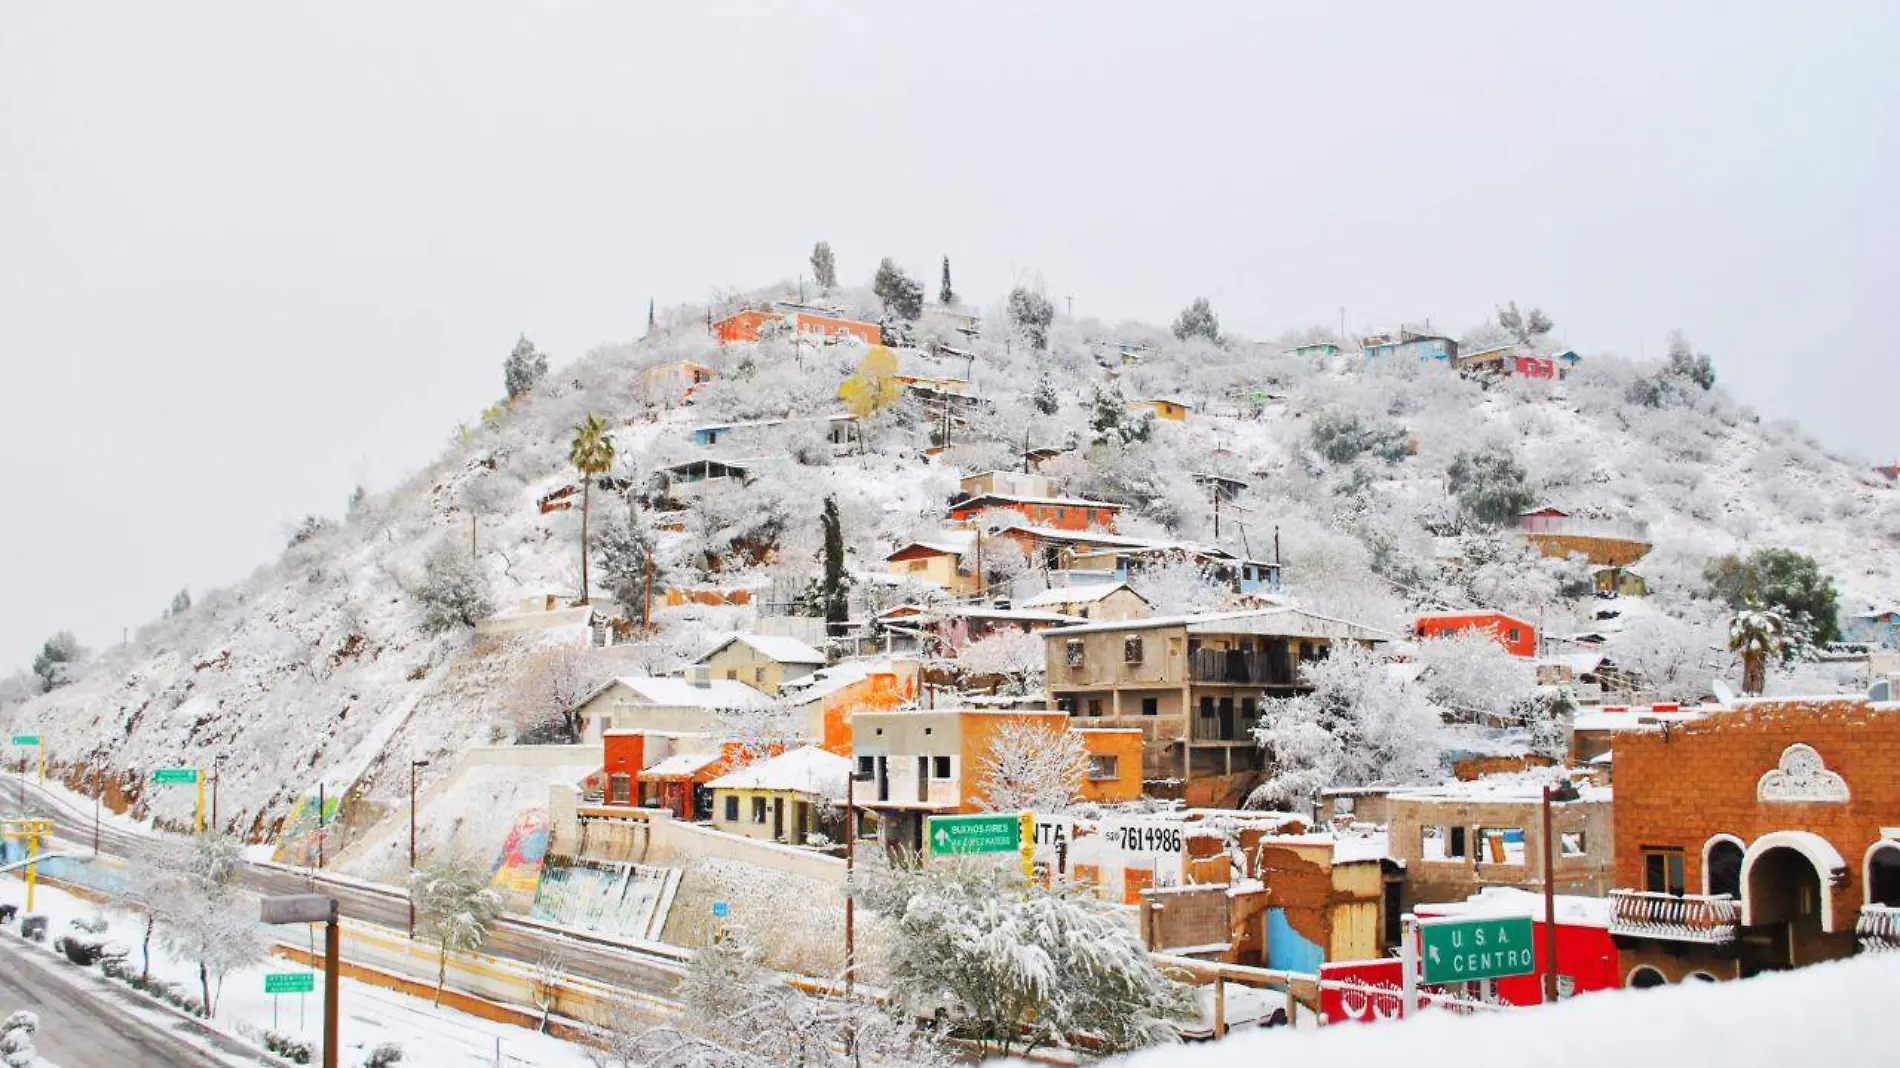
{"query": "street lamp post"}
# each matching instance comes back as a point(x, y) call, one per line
point(850, 866)
point(410, 893)
point(307, 909)
point(216, 775)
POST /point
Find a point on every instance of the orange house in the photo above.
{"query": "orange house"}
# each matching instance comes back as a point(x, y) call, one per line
point(748, 325)
point(743, 325)
point(830, 698)
point(1060, 513)
point(1518, 636)
point(809, 325)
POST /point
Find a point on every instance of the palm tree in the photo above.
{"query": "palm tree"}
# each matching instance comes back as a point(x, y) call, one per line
point(592, 454)
point(1756, 633)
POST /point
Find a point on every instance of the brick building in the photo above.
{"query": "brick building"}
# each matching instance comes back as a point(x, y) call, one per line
point(1757, 838)
point(1459, 839)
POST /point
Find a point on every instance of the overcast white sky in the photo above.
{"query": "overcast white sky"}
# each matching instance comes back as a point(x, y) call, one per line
point(249, 257)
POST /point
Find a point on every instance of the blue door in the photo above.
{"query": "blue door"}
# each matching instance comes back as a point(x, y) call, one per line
point(1287, 949)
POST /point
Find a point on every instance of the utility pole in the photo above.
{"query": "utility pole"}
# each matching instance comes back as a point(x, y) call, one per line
point(1550, 905)
point(217, 773)
point(1216, 489)
point(1025, 449)
point(646, 607)
point(1070, 300)
point(319, 825)
point(411, 895)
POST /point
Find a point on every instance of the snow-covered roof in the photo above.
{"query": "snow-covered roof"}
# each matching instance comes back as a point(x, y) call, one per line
point(680, 766)
point(806, 770)
point(1347, 848)
point(1086, 593)
point(826, 681)
point(1279, 620)
point(977, 611)
point(954, 542)
point(1515, 788)
point(785, 650)
point(1572, 910)
point(1014, 498)
point(1631, 720)
point(682, 693)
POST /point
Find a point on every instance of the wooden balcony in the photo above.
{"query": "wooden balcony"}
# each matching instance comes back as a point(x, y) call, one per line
point(1711, 921)
point(1878, 929)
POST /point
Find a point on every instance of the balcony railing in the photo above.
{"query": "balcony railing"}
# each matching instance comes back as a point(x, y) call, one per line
point(1258, 667)
point(1878, 929)
point(1689, 918)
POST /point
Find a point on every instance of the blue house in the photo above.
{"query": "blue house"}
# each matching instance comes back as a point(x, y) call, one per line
point(1879, 626)
point(1441, 350)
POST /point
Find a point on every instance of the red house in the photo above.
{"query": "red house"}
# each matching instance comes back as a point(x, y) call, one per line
point(1536, 366)
point(1518, 636)
point(1061, 513)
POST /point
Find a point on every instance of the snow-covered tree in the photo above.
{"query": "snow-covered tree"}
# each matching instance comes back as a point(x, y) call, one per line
point(823, 267)
point(1341, 437)
point(524, 368)
point(592, 454)
point(834, 591)
point(1791, 583)
point(454, 907)
point(1473, 676)
point(1014, 656)
point(1687, 364)
point(1031, 313)
point(1526, 328)
point(873, 389)
point(1197, 320)
point(1044, 397)
point(200, 909)
point(903, 296)
point(1363, 724)
point(1017, 967)
point(545, 700)
point(1031, 768)
point(181, 603)
point(1178, 586)
point(1755, 634)
point(946, 295)
point(1491, 486)
point(453, 592)
point(57, 659)
point(1671, 657)
point(626, 548)
point(16, 1040)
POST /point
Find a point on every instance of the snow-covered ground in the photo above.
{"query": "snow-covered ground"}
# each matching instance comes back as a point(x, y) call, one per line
point(430, 1036)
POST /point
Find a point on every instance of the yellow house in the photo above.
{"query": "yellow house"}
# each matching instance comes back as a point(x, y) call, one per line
point(786, 798)
point(938, 560)
point(764, 662)
point(1175, 411)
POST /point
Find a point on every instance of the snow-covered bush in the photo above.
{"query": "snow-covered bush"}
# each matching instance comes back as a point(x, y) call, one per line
point(385, 1055)
point(1491, 486)
point(453, 592)
point(16, 1040)
point(292, 1048)
point(1341, 437)
point(1016, 657)
point(454, 907)
point(1179, 586)
point(1018, 967)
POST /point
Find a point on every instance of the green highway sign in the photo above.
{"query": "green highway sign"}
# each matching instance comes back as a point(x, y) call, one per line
point(1455, 951)
point(983, 833)
point(26, 739)
point(289, 982)
point(175, 776)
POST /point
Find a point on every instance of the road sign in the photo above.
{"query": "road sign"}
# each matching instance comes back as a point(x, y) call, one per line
point(721, 910)
point(298, 908)
point(1459, 950)
point(175, 776)
point(983, 833)
point(289, 982)
point(26, 739)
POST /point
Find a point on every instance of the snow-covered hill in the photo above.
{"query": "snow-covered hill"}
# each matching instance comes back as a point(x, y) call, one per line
point(319, 668)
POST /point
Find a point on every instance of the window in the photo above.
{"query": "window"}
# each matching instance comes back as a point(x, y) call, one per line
point(1437, 842)
point(1150, 706)
point(619, 789)
point(1662, 870)
point(758, 810)
point(1103, 766)
point(1500, 845)
point(916, 565)
point(1131, 650)
point(940, 767)
point(732, 810)
point(1725, 869)
point(867, 768)
point(1074, 650)
point(1513, 635)
point(1095, 706)
point(1571, 844)
point(758, 674)
point(732, 674)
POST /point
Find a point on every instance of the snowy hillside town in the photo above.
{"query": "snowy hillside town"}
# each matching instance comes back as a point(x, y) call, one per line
point(836, 668)
point(823, 536)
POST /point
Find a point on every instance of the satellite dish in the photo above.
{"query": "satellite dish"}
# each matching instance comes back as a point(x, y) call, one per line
point(1723, 695)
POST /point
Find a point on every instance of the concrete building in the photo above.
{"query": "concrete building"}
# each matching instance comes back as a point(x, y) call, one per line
point(691, 705)
point(1757, 838)
point(1460, 838)
point(1094, 602)
point(786, 798)
point(762, 661)
point(1192, 685)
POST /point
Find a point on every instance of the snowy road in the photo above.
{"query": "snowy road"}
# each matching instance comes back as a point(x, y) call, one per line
point(592, 957)
point(85, 1022)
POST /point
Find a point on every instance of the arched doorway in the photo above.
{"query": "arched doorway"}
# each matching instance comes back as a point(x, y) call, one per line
point(1644, 977)
point(1784, 909)
point(1722, 866)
